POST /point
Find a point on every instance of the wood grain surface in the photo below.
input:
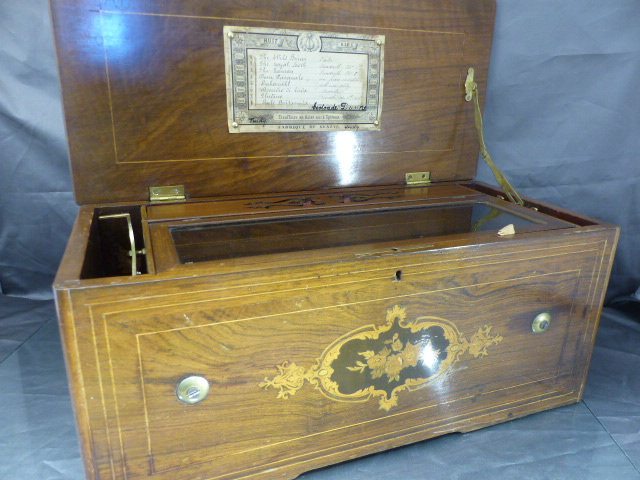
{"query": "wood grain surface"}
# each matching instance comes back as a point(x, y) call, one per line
point(129, 343)
point(144, 93)
point(333, 311)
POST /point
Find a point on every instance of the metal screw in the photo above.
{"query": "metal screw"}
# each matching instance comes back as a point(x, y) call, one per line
point(193, 393)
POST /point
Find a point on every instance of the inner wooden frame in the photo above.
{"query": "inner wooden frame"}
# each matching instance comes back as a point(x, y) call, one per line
point(317, 210)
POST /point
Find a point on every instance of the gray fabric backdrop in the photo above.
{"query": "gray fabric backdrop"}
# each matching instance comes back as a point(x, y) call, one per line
point(562, 121)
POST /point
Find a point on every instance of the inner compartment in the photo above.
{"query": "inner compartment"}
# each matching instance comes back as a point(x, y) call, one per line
point(115, 246)
point(218, 241)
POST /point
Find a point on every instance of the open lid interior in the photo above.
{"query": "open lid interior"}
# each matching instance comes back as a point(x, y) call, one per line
point(335, 94)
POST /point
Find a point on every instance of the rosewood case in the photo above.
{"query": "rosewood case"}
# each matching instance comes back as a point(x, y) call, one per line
point(302, 304)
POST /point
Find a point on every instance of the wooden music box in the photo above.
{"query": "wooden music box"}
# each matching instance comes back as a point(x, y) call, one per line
point(282, 260)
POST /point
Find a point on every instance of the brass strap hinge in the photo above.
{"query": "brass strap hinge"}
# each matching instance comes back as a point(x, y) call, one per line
point(417, 178)
point(167, 193)
point(471, 89)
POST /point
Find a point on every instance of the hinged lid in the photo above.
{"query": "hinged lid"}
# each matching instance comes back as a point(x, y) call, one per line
point(144, 86)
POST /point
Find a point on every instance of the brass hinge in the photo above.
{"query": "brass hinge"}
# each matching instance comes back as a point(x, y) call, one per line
point(167, 193)
point(471, 91)
point(418, 178)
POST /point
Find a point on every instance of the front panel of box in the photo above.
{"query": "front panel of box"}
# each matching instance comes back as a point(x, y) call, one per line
point(308, 367)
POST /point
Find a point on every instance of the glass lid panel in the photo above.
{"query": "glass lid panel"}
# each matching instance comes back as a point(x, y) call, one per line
point(218, 241)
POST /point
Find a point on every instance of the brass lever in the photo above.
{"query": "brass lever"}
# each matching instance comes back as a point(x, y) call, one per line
point(133, 252)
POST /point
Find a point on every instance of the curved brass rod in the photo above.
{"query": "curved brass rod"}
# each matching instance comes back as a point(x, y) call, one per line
point(133, 252)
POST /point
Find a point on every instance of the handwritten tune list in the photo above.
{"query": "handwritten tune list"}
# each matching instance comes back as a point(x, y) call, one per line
point(302, 81)
point(318, 81)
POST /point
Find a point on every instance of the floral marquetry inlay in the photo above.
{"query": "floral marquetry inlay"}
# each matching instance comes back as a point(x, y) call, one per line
point(383, 361)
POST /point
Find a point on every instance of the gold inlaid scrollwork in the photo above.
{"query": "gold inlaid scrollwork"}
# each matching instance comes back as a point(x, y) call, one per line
point(383, 361)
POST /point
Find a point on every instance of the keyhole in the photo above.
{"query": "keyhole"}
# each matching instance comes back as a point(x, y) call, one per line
point(398, 275)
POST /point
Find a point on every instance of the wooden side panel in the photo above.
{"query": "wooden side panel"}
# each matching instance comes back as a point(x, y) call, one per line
point(313, 365)
point(66, 322)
